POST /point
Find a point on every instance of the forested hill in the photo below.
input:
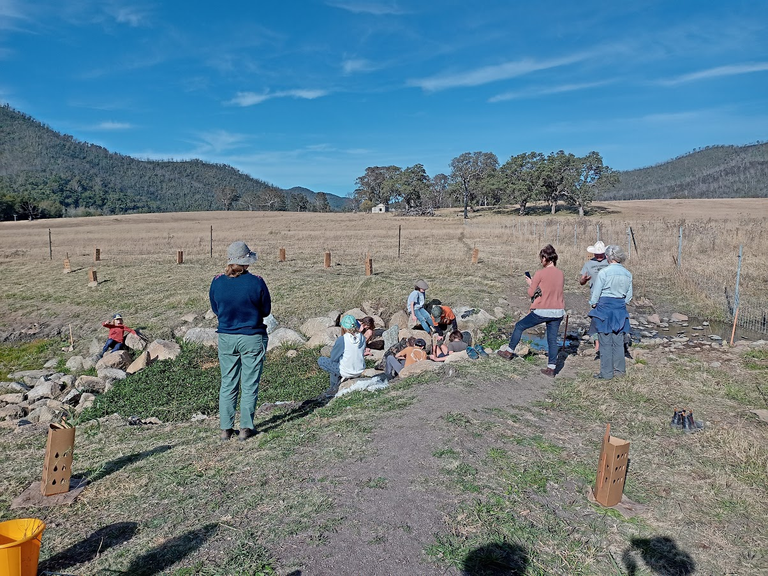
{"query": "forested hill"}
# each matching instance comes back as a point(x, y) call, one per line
point(45, 173)
point(712, 172)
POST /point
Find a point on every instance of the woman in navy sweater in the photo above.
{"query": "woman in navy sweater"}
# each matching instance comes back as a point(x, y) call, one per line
point(241, 301)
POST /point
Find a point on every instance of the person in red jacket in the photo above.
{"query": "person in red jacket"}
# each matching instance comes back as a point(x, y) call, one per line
point(117, 332)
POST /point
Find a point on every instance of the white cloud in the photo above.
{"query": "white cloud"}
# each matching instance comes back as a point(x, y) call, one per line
point(130, 15)
point(217, 141)
point(488, 74)
point(544, 91)
point(730, 70)
point(353, 65)
point(374, 8)
point(109, 125)
point(251, 98)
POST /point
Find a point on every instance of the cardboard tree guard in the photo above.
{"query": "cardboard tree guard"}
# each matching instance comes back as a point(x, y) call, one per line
point(57, 466)
point(611, 469)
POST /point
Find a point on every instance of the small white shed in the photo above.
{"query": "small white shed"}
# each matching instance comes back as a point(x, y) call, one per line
point(380, 208)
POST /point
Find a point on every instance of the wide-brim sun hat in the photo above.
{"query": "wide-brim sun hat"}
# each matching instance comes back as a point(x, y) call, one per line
point(349, 322)
point(239, 253)
point(422, 284)
point(597, 248)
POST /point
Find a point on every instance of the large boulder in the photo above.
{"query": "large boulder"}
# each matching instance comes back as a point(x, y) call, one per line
point(271, 323)
point(89, 384)
point(134, 342)
point(120, 359)
point(678, 317)
point(419, 368)
point(75, 364)
point(86, 401)
point(476, 318)
point(163, 350)
point(399, 318)
point(209, 315)
point(284, 336)
point(356, 312)
point(456, 357)
point(14, 386)
point(44, 389)
point(30, 377)
point(390, 336)
point(204, 336)
point(140, 363)
point(11, 412)
point(315, 326)
point(16, 398)
point(111, 374)
point(326, 337)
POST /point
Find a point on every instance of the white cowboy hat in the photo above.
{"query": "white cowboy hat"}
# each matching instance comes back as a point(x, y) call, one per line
point(598, 248)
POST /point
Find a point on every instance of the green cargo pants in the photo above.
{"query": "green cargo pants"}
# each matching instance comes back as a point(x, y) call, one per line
point(241, 358)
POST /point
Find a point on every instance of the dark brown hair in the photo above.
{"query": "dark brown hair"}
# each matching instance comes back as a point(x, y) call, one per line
point(235, 270)
point(549, 254)
point(456, 335)
point(367, 323)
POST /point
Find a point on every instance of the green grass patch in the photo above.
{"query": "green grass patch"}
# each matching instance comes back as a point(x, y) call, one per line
point(174, 390)
point(496, 333)
point(27, 356)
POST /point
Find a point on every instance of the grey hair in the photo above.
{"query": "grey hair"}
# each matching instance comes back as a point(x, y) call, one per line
point(615, 254)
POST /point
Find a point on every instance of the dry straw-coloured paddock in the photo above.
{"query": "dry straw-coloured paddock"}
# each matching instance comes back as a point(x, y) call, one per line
point(139, 277)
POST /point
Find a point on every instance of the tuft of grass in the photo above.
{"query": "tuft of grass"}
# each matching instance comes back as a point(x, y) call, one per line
point(27, 356)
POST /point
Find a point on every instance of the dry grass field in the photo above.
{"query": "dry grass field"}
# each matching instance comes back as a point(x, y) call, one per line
point(138, 275)
point(480, 468)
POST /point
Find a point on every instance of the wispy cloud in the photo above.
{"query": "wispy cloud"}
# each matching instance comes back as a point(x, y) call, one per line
point(730, 70)
point(218, 141)
point(109, 125)
point(488, 74)
point(545, 91)
point(375, 8)
point(131, 15)
point(354, 65)
point(252, 98)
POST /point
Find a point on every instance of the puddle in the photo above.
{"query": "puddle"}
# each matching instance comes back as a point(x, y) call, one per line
point(694, 329)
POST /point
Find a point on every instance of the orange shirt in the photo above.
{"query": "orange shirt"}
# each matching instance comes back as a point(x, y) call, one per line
point(412, 354)
point(447, 316)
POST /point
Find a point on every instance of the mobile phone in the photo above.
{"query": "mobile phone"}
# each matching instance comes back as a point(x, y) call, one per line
point(528, 274)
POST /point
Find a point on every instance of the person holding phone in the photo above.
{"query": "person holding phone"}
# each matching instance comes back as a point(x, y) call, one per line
point(546, 289)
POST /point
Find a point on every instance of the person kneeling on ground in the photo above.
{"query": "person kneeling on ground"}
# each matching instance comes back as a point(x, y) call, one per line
point(455, 344)
point(117, 332)
point(347, 360)
point(413, 353)
point(444, 318)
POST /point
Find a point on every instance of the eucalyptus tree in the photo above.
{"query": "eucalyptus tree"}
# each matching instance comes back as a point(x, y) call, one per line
point(592, 177)
point(377, 184)
point(471, 173)
point(521, 178)
point(412, 185)
point(558, 175)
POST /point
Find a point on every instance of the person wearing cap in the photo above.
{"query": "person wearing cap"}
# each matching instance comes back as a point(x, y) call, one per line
point(116, 337)
point(347, 355)
point(610, 295)
point(443, 318)
point(241, 301)
point(589, 273)
point(414, 352)
point(416, 309)
point(546, 290)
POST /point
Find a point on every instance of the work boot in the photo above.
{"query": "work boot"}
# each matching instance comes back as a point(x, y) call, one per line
point(688, 424)
point(506, 354)
point(548, 372)
point(246, 433)
point(226, 434)
point(677, 419)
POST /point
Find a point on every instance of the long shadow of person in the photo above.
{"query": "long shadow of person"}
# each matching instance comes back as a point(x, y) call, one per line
point(86, 550)
point(496, 559)
point(304, 409)
point(661, 555)
point(170, 552)
point(117, 464)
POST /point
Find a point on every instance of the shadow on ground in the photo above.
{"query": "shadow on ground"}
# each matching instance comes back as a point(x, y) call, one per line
point(661, 555)
point(167, 554)
point(496, 559)
point(302, 410)
point(86, 550)
point(119, 463)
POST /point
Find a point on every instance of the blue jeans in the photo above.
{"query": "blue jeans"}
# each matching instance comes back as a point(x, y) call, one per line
point(332, 368)
point(241, 358)
point(533, 319)
point(118, 346)
point(425, 318)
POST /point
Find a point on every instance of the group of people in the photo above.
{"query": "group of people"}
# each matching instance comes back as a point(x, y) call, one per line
point(241, 301)
point(610, 291)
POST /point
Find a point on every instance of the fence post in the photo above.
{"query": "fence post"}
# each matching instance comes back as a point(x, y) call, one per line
point(50, 246)
point(598, 231)
point(281, 255)
point(680, 248)
point(575, 242)
point(558, 232)
point(629, 244)
point(475, 255)
point(399, 230)
point(736, 296)
point(327, 260)
point(211, 241)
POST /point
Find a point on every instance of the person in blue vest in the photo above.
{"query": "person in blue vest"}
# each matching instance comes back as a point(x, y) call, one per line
point(241, 301)
point(611, 293)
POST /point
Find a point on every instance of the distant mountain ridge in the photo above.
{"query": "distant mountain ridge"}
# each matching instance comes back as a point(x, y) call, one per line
point(711, 172)
point(54, 170)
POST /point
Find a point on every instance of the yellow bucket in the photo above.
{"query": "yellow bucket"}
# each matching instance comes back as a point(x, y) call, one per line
point(20, 546)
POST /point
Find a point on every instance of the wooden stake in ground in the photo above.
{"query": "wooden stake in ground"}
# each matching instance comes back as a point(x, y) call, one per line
point(67, 266)
point(327, 259)
point(97, 254)
point(179, 256)
point(368, 265)
point(475, 255)
point(735, 319)
point(92, 278)
point(281, 255)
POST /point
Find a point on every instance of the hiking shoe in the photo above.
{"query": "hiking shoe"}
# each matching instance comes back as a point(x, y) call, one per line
point(481, 351)
point(548, 372)
point(472, 353)
point(677, 419)
point(226, 434)
point(599, 376)
point(597, 355)
point(246, 433)
point(505, 354)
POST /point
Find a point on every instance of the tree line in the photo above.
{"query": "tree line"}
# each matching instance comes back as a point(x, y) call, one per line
point(477, 178)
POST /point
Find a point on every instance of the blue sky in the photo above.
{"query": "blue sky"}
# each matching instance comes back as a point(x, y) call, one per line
point(311, 93)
